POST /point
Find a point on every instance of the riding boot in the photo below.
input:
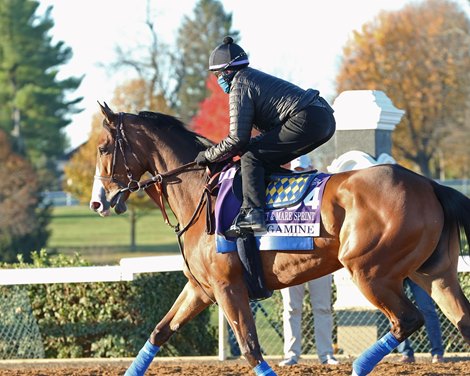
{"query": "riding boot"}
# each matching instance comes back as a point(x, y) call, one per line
point(247, 222)
point(252, 220)
point(252, 267)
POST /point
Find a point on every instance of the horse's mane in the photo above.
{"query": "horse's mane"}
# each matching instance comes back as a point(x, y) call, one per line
point(173, 122)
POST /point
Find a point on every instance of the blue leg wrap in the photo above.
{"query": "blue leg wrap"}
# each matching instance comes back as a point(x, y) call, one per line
point(142, 360)
point(263, 369)
point(374, 354)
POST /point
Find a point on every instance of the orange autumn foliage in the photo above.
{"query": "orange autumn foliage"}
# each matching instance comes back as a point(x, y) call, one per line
point(420, 57)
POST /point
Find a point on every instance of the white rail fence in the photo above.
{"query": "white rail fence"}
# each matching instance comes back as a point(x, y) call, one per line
point(125, 271)
point(348, 297)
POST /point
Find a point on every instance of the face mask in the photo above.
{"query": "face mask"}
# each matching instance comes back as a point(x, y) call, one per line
point(223, 84)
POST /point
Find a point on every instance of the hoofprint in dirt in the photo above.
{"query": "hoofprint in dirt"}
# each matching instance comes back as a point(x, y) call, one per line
point(232, 368)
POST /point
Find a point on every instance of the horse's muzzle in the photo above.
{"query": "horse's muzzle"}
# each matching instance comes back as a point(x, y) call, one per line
point(98, 202)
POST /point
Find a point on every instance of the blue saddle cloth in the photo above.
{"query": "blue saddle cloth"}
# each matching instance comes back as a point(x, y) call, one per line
point(292, 210)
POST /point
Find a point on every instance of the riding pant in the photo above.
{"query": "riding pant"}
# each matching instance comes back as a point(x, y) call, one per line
point(300, 134)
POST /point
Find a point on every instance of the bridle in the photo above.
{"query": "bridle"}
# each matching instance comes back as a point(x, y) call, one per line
point(121, 143)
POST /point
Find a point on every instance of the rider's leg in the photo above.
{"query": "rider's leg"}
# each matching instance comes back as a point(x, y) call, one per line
point(252, 211)
point(300, 134)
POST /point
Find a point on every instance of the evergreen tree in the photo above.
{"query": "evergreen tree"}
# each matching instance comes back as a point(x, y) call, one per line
point(33, 106)
point(197, 37)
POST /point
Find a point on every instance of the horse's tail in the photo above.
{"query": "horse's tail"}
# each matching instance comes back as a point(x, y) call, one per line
point(456, 208)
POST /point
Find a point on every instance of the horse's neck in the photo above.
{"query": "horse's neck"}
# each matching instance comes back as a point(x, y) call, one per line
point(182, 190)
point(183, 194)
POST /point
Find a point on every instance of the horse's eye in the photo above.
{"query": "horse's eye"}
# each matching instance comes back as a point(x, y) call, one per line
point(103, 150)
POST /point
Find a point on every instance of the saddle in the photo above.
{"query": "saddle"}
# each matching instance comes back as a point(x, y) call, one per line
point(292, 209)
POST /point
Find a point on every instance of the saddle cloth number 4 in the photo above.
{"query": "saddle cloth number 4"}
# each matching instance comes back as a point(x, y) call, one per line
point(312, 200)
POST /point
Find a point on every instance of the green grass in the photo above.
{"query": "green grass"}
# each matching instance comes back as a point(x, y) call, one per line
point(106, 240)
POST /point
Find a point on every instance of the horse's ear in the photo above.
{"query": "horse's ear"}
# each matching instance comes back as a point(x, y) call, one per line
point(108, 113)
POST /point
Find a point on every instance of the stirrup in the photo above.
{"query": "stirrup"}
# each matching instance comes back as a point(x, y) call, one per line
point(236, 231)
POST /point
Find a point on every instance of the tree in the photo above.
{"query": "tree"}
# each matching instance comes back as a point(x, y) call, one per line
point(178, 75)
point(155, 69)
point(212, 120)
point(419, 56)
point(33, 104)
point(135, 95)
point(22, 223)
point(197, 37)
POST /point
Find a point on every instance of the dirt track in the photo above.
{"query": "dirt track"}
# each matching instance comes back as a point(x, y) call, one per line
point(228, 368)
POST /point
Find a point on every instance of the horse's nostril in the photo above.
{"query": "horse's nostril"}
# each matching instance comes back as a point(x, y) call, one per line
point(95, 205)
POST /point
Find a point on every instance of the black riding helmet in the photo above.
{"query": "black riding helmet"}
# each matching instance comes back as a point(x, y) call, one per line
point(228, 54)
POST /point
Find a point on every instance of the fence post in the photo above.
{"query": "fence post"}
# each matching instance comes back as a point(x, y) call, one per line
point(222, 334)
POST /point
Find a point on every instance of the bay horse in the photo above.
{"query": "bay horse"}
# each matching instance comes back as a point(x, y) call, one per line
point(382, 224)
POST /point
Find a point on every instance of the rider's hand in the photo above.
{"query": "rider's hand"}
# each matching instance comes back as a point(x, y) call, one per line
point(201, 159)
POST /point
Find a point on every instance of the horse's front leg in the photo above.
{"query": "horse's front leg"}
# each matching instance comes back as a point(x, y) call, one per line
point(189, 303)
point(232, 297)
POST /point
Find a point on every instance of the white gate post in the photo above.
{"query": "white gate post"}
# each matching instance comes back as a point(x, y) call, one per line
point(365, 120)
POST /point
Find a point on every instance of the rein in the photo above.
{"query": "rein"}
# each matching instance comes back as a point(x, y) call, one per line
point(205, 199)
point(157, 180)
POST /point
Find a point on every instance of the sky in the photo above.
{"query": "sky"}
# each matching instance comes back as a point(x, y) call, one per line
point(297, 40)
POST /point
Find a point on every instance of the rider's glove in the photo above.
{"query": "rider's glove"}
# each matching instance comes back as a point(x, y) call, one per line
point(201, 159)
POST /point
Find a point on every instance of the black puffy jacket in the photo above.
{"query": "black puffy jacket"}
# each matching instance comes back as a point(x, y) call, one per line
point(262, 101)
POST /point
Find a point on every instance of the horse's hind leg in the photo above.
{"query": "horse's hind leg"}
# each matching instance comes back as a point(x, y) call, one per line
point(388, 295)
point(447, 293)
point(438, 276)
point(191, 301)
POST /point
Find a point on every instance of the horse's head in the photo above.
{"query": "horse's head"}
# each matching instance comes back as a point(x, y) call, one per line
point(118, 168)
